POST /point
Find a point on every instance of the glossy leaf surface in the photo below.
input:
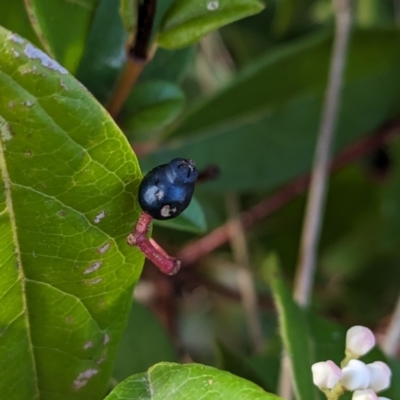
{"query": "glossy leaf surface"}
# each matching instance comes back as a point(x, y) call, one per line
point(189, 20)
point(67, 202)
point(270, 113)
point(187, 382)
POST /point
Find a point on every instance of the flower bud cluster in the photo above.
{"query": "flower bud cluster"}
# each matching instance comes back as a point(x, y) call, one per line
point(364, 380)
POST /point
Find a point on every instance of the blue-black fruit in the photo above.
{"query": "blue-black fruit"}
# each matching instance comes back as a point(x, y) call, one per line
point(166, 191)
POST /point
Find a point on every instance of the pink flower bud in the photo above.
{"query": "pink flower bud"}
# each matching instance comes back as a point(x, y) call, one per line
point(356, 376)
point(367, 394)
point(383, 398)
point(359, 341)
point(326, 374)
point(380, 376)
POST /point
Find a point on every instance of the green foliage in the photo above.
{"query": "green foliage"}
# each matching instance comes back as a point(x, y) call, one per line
point(144, 343)
point(294, 331)
point(66, 208)
point(187, 21)
point(152, 105)
point(190, 381)
point(249, 100)
point(272, 132)
point(52, 22)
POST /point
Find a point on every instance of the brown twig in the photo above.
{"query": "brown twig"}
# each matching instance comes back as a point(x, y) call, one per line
point(138, 56)
point(218, 237)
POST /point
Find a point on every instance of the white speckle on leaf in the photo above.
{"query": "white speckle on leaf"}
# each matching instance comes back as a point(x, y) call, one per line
point(35, 54)
point(5, 132)
point(11, 104)
point(15, 38)
point(94, 267)
point(99, 217)
point(95, 281)
point(16, 54)
point(29, 103)
point(63, 85)
point(212, 5)
point(210, 382)
point(103, 249)
point(106, 339)
point(83, 378)
point(88, 345)
point(100, 360)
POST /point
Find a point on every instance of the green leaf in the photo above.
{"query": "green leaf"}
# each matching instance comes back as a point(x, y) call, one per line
point(67, 196)
point(168, 65)
point(187, 382)
point(294, 331)
point(144, 343)
point(128, 13)
point(191, 220)
point(62, 27)
point(189, 20)
point(105, 54)
point(152, 105)
point(13, 16)
point(261, 129)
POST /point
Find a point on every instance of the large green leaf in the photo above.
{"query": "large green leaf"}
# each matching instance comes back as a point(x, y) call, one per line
point(188, 20)
point(294, 331)
point(67, 202)
point(187, 382)
point(62, 27)
point(261, 129)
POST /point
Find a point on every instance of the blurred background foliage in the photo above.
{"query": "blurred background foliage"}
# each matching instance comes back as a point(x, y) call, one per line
point(247, 98)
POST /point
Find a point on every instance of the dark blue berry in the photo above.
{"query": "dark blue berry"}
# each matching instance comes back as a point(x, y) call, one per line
point(166, 191)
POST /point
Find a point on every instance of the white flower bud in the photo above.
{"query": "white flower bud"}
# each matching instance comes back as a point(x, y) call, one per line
point(326, 374)
point(383, 398)
point(380, 376)
point(368, 394)
point(356, 376)
point(359, 341)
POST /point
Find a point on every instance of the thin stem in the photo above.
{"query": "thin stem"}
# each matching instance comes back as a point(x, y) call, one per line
point(391, 340)
point(166, 264)
point(318, 186)
point(285, 385)
point(244, 276)
point(138, 56)
point(133, 68)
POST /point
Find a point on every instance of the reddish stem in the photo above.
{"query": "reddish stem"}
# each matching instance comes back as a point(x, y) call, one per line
point(166, 264)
